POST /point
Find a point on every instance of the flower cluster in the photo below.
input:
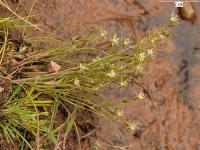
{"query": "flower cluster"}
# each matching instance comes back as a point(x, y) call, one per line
point(96, 59)
point(76, 82)
point(173, 19)
point(102, 33)
point(141, 56)
point(82, 67)
point(126, 41)
point(150, 52)
point(123, 82)
point(139, 69)
point(154, 38)
point(117, 112)
point(131, 125)
point(141, 95)
point(111, 74)
point(115, 40)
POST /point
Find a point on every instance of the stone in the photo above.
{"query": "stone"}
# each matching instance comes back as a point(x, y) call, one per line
point(187, 11)
point(53, 67)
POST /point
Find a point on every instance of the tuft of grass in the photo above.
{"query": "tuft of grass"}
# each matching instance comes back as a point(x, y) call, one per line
point(21, 114)
point(4, 4)
point(89, 65)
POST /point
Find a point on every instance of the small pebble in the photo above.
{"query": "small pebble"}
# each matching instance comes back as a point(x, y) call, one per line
point(53, 67)
point(187, 12)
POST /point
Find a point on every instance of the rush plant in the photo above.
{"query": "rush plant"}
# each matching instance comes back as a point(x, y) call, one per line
point(88, 65)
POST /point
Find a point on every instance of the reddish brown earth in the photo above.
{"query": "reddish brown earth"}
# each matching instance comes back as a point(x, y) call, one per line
point(170, 118)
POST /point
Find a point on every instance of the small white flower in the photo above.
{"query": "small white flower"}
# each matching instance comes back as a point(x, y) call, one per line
point(173, 19)
point(115, 40)
point(126, 41)
point(150, 52)
point(141, 56)
point(82, 67)
point(103, 33)
point(119, 113)
point(131, 125)
point(154, 37)
point(77, 82)
point(96, 59)
point(141, 95)
point(111, 74)
point(101, 65)
point(123, 83)
point(101, 85)
point(139, 68)
point(120, 67)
